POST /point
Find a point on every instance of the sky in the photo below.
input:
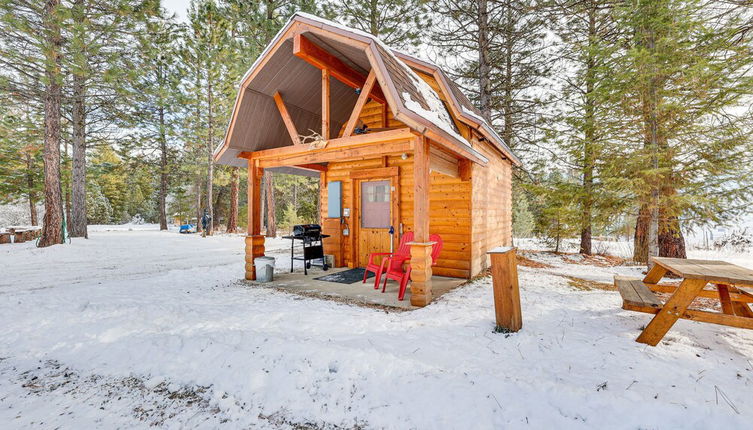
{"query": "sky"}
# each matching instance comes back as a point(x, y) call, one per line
point(177, 6)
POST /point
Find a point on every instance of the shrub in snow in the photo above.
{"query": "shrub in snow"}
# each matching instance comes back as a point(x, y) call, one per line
point(137, 219)
point(738, 241)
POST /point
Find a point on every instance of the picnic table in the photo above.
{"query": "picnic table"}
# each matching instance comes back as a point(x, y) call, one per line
point(732, 286)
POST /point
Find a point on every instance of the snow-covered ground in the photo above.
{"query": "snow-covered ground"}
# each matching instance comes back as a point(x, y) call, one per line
point(136, 327)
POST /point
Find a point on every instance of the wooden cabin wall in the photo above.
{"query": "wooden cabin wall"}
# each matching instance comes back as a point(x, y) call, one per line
point(449, 204)
point(491, 206)
point(372, 115)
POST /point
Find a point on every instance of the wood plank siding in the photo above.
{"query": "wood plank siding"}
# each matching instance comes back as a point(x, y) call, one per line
point(449, 206)
point(491, 206)
point(472, 216)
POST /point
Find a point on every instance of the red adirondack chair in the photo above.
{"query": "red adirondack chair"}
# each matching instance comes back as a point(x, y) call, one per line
point(402, 253)
point(394, 269)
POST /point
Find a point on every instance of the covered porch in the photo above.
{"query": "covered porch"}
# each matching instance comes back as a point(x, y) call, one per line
point(400, 157)
point(357, 293)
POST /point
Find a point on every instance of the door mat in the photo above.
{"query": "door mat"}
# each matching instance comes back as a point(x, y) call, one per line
point(346, 276)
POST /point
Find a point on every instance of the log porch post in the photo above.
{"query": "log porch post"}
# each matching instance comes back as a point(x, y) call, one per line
point(420, 249)
point(254, 239)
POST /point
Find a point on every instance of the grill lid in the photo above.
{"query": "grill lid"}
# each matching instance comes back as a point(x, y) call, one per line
point(310, 230)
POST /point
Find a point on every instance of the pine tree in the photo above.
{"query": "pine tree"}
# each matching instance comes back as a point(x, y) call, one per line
point(588, 35)
point(398, 23)
point(500, 55)
point(681, 79)
point(156, 99)
point(208, 53)
point(31, 51)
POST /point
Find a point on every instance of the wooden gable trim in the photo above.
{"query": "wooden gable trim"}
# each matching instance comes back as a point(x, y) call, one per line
point(362, 99)
point(287, 119)
point(316, 56)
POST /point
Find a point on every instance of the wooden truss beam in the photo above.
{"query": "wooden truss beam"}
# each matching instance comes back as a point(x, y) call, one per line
point(360, 103)
point(354, 147)
point(316, 56)
point(287, 119)
point(325, 104)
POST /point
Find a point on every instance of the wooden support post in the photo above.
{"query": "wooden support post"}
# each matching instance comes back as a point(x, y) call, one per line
point(325, 104)
point(464, 169)
point(254, 239)
point(421, 247)
point(506, 289)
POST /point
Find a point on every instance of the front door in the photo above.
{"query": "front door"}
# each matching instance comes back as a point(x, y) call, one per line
point(375, 215)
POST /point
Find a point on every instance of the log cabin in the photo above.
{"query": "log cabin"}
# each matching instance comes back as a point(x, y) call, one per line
point(397, 146)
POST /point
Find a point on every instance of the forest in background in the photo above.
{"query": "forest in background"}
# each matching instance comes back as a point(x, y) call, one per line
point(632, 117)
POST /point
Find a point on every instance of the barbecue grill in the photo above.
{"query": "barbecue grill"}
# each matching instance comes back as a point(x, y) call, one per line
point(310, 236)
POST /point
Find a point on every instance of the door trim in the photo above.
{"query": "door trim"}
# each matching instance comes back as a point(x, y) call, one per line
point(391, 174)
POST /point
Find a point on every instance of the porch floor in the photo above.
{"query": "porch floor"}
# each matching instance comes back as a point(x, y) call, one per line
point(357, 292)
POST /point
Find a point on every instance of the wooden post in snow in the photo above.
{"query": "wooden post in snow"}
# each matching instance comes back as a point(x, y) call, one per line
point(420, 248)
point(506, 290)
point(254, 239)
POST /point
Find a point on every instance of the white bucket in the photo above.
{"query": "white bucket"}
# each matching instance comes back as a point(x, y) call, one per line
point(265, 268)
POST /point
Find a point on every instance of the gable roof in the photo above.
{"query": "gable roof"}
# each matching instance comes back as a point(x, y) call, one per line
point(256, 125)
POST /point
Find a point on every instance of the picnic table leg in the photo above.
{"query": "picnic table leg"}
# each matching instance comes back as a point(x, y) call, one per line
point(672, 311)
point(724, 299)
point(655, 274)
point(742, 310)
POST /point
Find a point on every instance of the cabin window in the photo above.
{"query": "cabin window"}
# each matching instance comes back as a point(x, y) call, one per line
point(375, 204)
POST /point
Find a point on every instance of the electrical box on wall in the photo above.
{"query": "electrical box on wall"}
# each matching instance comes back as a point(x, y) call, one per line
point(334, 199)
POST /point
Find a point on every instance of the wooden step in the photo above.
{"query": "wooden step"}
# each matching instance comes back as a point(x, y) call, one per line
point(636, 295)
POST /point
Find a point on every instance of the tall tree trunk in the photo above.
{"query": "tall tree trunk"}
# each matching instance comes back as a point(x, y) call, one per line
point(650, 102)
point(484, 67)
point(52, 232)
point(374, 13)
point(270, 200)
point(32, 193)
point(199, 212)
point(232, 216)
point(210, 163)
point(78, 207)
point(670, 237)
point(671, 240)
point(65, 182)
point(588, 141)
point(218, 212)
point(162, 170)
point(640, 239)
point(507, 99)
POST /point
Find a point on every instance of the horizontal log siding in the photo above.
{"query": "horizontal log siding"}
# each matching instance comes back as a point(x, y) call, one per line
point(491, 206)
point(449, 205)
point(371, 115)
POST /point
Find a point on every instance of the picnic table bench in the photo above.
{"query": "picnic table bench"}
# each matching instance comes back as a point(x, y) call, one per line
point(732, 285)
point(20, 234)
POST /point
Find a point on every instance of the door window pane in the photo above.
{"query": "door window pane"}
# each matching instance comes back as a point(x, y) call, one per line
point(375, 204)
